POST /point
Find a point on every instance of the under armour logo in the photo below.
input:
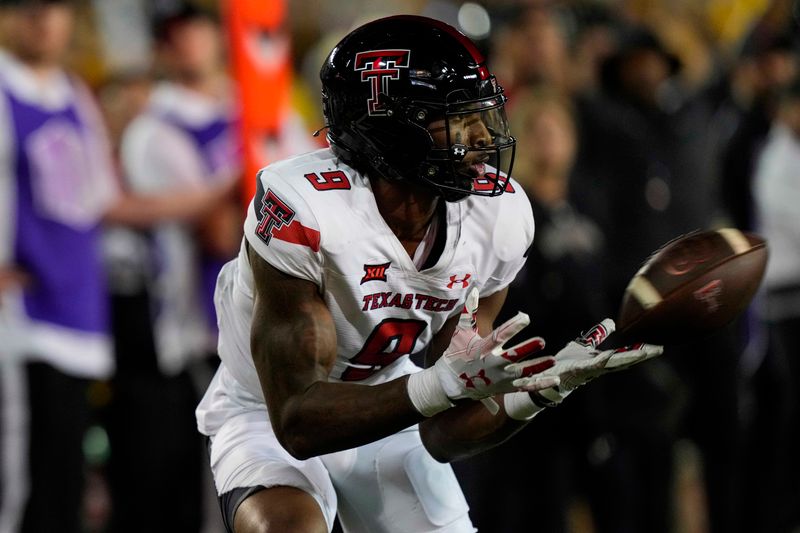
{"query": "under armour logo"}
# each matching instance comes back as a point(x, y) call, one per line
point(463, 281)
point(709, 294)
point(469, 380)
point(459, 150)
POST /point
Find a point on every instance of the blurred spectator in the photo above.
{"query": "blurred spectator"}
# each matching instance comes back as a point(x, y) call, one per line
point(777, 197)
point(652, 160)
point(562, 48)
point(58, 185)
point(593, 40)
point(57, 182)
point(571, 292)
point(165, 330)
point(122, 98)
point(561, 45)
point(532, 48)
point(649, 155)
point(768, 63)
point(560, 287)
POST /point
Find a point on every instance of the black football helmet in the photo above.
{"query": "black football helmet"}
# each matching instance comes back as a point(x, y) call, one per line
point(385, 84)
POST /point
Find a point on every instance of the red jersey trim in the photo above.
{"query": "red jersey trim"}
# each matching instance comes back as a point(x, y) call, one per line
point(296, 233)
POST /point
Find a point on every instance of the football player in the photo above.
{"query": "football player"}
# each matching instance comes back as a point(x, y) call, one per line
point(400, 239)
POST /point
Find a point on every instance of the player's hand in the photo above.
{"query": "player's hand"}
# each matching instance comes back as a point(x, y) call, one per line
point(474, 367)
point(580, 361)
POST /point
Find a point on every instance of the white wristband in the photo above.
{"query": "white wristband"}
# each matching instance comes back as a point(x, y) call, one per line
point(519, 406)
point(426, 392)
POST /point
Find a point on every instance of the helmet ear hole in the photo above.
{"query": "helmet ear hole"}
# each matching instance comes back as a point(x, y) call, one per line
point(418, 115)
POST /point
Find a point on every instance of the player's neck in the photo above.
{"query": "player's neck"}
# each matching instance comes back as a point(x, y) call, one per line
point(408, 210)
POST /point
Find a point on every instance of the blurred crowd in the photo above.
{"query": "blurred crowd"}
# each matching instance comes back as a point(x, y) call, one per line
point(121, 163)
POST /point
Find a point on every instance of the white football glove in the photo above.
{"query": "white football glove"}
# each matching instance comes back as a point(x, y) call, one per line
point(579, 362)
point(474, 367)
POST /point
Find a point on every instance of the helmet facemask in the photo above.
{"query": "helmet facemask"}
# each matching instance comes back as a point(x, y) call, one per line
point(473, 150)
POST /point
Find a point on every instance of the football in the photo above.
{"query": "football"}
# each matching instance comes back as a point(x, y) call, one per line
point(691, 287)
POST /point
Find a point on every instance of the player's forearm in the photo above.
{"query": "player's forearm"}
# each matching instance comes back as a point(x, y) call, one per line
point(466, 430)
point(310, 415)
point(329, 417)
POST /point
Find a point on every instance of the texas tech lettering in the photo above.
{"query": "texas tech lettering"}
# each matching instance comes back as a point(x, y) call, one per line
point(379, 300)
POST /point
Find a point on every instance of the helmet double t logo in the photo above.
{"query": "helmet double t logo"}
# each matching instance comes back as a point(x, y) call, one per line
point(378, 67)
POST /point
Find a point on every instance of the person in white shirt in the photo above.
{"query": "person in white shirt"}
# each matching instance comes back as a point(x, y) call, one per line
point(776, 186)
point(57, 186)
point(186, 137)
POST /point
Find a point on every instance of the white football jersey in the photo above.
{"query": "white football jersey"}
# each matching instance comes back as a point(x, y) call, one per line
point(315, 218)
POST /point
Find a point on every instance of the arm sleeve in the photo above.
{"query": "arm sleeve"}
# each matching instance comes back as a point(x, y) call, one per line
point(283, 230)
point(512, 237)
